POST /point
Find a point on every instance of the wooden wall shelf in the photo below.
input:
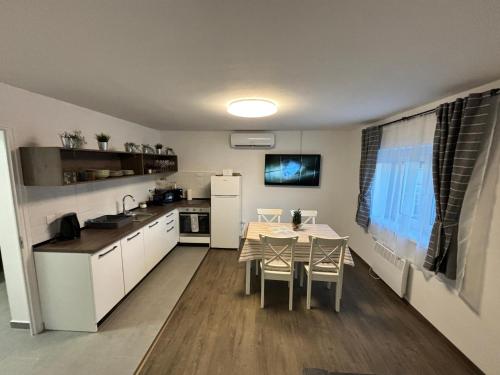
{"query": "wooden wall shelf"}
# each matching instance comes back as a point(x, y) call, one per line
point(47, 166)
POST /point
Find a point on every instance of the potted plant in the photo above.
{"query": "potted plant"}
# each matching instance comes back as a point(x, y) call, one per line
point(78, 139)
point(66, 140)
point(158, 148)
point(102, 141)
point(296, 219)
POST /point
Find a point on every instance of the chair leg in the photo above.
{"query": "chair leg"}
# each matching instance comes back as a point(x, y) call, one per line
point(301, 275)
point(257, 268)
point(262, 282)
point(308, 298)
point(290, 294)
point(338, 293)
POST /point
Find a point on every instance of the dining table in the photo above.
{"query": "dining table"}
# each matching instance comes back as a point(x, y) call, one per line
point(252, 250)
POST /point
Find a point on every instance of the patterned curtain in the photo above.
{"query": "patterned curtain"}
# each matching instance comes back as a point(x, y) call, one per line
point(458, 139)
point(370, 144)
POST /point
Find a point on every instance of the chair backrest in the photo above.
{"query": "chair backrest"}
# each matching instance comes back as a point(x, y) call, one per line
point(308, 216)
point(269, 215)
point(278, 250)
point(327, 251)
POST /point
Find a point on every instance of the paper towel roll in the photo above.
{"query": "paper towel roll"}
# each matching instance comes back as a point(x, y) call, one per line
point(189, 194)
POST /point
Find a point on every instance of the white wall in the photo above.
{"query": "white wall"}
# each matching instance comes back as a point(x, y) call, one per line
point(36, 120)
point(476, 335)
point(210, 151)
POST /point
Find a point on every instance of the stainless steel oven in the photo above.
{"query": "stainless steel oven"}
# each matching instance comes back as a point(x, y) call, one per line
point(194, 224)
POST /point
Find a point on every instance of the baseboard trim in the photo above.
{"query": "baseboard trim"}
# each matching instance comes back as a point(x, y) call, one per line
point(19, 325)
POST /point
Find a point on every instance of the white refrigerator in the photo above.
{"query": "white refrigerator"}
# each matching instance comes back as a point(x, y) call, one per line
point(225, 212)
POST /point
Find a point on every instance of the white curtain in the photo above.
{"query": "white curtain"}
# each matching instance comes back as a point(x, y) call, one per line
point(403, 204)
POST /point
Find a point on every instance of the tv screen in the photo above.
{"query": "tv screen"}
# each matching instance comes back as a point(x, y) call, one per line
point(296, 170)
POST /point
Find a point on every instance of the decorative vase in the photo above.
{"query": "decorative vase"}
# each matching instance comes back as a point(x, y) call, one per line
point(296, 226)
point(103, 146)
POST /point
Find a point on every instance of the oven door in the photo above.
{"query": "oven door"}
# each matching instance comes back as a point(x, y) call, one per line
point(186, 225)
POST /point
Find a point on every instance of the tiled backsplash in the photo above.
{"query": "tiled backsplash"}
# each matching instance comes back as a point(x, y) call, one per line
point(199, 182)
point(47, 204)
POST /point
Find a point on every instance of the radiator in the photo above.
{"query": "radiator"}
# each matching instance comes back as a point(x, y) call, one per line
point(392, 269)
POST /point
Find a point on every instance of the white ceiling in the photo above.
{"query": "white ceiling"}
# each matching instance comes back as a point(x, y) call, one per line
point(175, 64)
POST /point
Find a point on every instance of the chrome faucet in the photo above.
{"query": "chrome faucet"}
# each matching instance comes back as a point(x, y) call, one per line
point(125, 212)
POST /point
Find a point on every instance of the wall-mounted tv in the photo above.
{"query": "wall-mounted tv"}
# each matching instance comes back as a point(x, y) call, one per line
point(292, 169)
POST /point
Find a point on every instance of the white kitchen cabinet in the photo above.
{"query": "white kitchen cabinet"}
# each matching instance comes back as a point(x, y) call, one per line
point(133, 258)
point(77, 290)
point(107, 279)
point(171, 230)
point(153, 244)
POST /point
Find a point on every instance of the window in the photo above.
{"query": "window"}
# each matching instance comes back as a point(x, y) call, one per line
point(403, 204)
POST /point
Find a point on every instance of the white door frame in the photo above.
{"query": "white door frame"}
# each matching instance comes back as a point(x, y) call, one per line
point(20, 205)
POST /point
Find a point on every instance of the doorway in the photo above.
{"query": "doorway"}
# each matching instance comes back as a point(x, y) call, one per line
point(14, 308)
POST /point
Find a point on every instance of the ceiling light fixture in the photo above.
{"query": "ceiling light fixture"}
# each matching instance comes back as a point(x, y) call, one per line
point(252, 108)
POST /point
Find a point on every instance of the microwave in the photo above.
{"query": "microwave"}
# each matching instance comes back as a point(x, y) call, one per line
point(164, 196)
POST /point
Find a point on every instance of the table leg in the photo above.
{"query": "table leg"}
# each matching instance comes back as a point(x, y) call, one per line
point(248, 272)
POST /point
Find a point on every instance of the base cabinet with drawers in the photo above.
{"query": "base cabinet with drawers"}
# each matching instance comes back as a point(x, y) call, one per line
point(78, 289)
point(170, 230)
point(134, 268)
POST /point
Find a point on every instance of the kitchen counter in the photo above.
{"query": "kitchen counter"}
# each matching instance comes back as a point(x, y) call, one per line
point(94, 240)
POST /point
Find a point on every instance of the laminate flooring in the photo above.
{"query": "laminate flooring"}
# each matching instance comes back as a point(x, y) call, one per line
point(217, 329)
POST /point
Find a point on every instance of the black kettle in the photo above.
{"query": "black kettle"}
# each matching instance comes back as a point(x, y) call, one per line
point(70, 227)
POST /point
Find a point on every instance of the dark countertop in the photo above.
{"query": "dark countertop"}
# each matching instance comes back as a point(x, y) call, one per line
point(93, 240)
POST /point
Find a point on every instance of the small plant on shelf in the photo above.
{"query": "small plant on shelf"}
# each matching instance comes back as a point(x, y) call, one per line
point(158, 148)
point(66, 139)
point(297, 219)
point(73, 139)
point(78, 139)
point(102, 141)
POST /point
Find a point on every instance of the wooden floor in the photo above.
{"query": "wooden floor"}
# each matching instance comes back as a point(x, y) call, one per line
point(216, 329)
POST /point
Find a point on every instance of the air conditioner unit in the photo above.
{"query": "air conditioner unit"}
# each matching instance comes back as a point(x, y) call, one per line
point(392, 269)
point(252, 140)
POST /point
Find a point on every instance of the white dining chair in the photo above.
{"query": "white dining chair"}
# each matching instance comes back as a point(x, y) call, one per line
point(326, 263)
point(277, 263)
point(308, 216)
point(269, 215)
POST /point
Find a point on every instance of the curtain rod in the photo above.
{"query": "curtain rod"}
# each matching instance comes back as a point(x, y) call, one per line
point(409, 117)
point(492, 92)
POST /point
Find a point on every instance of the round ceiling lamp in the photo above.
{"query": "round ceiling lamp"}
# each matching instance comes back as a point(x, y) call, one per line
point(252, 108)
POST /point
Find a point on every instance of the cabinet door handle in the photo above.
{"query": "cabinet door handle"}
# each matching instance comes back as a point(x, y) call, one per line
point(152, 225)
point(107, 252)
point(170, 214)
point(170, 222)
point(134, 236)
point(168, 230)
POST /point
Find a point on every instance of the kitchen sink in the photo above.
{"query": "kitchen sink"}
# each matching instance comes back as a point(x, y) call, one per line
point(109, 221)
point(140, 216)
